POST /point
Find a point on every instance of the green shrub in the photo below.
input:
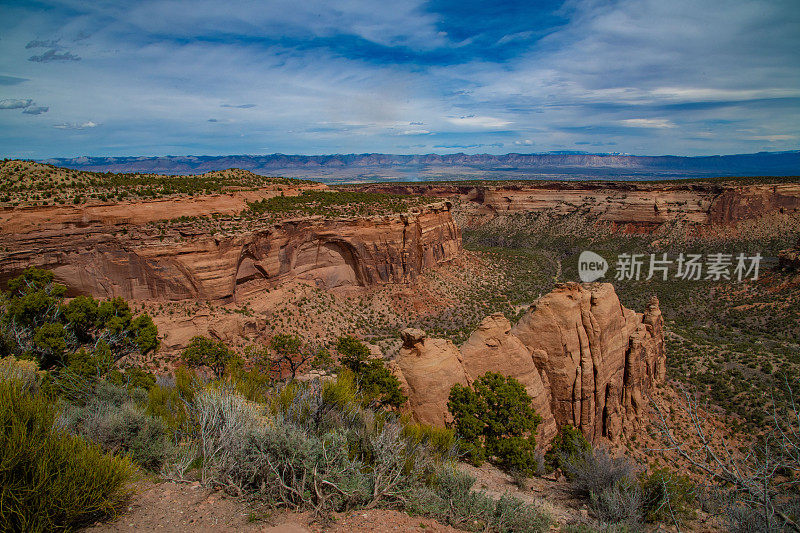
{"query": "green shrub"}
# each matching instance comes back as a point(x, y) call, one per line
point(169, 401)
point(450, 499)
point(568, 443)
point(22, 371)
point(46, 328)
point(252, 384)
point(318, 450)
point(124, 429)
point(340, 393)
point(513, 515)
point(620, 502)
point(441, 440)
point(214, 355)
point(495, 420)
point(667, 494)
point(51, 480)
point(134, 378)
point(593, 470)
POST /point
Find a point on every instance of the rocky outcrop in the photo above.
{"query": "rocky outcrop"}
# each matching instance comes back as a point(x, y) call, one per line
point(429, 368)
point(121, 254)
point(493, 348)
point(584, 358)
point(600, 357)
point(627, 206)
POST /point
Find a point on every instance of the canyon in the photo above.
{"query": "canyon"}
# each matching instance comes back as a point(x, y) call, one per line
point(630, 207)
point(146, 251)
point(583, 357)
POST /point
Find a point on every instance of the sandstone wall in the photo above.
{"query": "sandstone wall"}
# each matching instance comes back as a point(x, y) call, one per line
point(634, 207)
point(110, 256)
point(584, 358)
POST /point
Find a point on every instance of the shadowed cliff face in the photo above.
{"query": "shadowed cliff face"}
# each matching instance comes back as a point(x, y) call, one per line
point(630, 207)
point(111, 257)
point(584, 359)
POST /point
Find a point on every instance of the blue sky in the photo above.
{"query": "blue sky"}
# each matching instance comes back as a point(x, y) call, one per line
point(257, 77)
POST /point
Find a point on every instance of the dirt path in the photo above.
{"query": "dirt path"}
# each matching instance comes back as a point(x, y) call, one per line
point(189, 507)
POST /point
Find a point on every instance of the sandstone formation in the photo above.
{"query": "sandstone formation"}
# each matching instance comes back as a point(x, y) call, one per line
point(584, 358)
point(493, 348)
point(119, 251)
point(628, 206)
point(428, 368)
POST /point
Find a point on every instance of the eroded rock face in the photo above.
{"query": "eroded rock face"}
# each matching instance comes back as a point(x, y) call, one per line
point(584, 358)
point(492, 348)
point(630, 207)
point(109, 256)
point(429, 368)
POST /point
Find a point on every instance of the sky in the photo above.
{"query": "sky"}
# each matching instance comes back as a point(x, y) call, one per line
point(201, 77)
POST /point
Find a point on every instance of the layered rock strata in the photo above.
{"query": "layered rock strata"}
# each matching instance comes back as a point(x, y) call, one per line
point(629, 206)
point(122, 254)
point(584, 358)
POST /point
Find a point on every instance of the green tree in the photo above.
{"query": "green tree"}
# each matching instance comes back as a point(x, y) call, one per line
point(289, 354)
point(496, 421)
point(214, 355)
point(35, 322)
point(353, 353)
point(376, 383)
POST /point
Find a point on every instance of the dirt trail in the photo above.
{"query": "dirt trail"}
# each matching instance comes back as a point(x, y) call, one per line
point(189, 507)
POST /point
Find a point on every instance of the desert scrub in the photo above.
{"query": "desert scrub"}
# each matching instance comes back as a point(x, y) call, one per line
point(609, 483)
point(310, 450)
point(441, 440)
point(667, 495)
point(567, 444)
point(376, 383)
point(122, 428)
point(51, 480)
point(449, 498)
point(342, 203)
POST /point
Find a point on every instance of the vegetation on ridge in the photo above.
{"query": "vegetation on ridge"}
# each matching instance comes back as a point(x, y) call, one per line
point(30, 183)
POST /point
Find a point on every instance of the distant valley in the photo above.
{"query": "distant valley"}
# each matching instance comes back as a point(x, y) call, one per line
point(342, 168)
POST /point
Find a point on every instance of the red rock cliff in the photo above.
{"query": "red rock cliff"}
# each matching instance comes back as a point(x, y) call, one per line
point(628, 205)
point(118, 254)
point(584, 358)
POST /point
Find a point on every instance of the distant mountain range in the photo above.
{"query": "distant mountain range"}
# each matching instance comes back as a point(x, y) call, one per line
point(390, 167)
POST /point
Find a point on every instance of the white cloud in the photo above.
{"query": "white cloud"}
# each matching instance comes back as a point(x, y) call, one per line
point(647, 123)
point(146, 78)
point(472, 121)
point(526, 142)
point(13, 103)
point(36, 109)
point(76, 125)
point(699, 94)
point(773, 138)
